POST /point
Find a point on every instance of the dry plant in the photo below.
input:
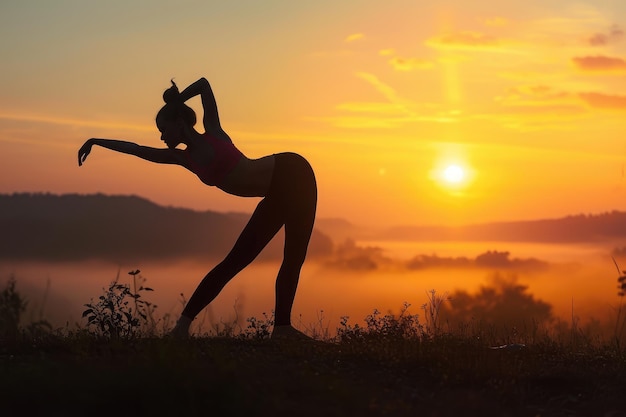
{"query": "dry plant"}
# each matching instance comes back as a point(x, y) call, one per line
point(620, 321)
point(432, 309)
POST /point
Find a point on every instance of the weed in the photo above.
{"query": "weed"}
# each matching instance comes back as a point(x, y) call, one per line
point(12, 305)
point(378, 326)
point(113, 317)
point(258, 329)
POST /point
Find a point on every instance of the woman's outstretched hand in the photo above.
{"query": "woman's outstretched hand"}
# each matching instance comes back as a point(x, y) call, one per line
point(84, 151)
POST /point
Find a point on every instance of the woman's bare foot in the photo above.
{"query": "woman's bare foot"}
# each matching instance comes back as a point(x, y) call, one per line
point(181, 329)
point(289, 333)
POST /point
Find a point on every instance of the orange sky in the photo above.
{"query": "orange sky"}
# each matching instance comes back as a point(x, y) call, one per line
point(527, 99)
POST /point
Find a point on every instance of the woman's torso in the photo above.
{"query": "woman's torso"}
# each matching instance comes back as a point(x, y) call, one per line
point(217, 162)
point(250, 177)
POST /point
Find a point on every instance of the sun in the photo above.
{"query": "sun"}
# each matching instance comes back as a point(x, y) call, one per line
point(454, 174)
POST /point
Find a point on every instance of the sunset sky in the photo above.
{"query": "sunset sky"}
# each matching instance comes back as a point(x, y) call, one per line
point(411, 112)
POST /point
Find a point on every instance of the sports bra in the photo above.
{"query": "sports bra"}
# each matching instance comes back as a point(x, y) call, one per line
point(226, 157)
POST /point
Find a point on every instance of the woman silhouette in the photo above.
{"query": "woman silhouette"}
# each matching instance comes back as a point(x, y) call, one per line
point(285, 181)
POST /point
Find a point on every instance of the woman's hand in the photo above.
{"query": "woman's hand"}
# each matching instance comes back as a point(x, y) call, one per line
point(84, 151)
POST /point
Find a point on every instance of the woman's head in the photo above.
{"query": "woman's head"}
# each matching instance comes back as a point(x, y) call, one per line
point(174, 115)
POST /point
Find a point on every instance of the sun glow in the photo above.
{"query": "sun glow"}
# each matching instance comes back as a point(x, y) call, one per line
point(453, 174)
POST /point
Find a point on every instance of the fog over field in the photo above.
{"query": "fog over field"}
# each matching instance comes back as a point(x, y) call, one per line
point(329, 289)
point(344, 275)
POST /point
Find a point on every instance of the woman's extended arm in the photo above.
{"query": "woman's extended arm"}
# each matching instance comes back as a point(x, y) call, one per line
point(203, 88)
point(162, 156)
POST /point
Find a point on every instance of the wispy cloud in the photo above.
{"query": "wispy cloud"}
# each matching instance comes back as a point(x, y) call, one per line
point(604, 101)
point(533, 118)
point(47, 119)
point(600, 63)
point(536, 107)
point(410, 64)
point(354, 37)
point(614, 34)
point(396, 111)
point(574, 28)
point(405, 64)
point(387, 91)
point(534, 96)
point(536, 54)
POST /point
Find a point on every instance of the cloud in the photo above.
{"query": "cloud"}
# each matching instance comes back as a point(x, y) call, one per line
point(598, 39)
point(405, 64)
point(540, 100)
point(532, 107)
point(535, 108)
point(465, 40)
point(409, 64)
point(568, 31)
point(533, 95)
point(614, 34)
point(604, 101)
point(387, 91)
point(37, 118)
point(394, 112)
point(468, 38)
point(600, 63)
point(354, 37)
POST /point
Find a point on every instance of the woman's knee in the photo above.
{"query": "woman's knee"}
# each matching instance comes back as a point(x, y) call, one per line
point(293, 262)
point(227, 269)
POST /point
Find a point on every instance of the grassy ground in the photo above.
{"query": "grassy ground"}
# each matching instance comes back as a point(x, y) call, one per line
point(392, 365)
point(369, 375)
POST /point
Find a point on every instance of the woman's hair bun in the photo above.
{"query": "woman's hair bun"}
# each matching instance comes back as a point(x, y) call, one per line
point(171, 95)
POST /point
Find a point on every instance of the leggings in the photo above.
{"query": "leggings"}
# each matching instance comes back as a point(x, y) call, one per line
point(291, 202)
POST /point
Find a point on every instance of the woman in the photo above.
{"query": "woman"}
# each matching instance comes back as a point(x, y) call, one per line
point(285, 181)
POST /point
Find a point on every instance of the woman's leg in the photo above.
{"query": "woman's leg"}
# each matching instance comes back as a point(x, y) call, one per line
point(297, 238)
point(261, 228)
point(301, 203)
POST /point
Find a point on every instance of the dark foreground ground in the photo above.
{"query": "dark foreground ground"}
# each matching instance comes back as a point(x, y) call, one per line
point(229, 377)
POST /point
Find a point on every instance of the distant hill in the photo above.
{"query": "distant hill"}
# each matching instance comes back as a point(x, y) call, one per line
point(73, 227)
point(340, 230)
point(583, 228)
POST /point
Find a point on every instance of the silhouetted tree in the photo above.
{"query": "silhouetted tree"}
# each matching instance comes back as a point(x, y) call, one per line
point(348, 255)
point(505, 303)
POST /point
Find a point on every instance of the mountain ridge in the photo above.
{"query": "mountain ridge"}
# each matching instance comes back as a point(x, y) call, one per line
point(579, 228)
point(123, 228)
point(71, 227)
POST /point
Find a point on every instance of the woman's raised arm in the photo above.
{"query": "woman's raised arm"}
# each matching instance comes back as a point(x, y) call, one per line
point(162, 156)
point(203, 88)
